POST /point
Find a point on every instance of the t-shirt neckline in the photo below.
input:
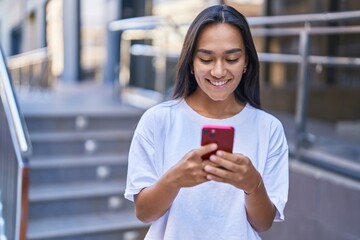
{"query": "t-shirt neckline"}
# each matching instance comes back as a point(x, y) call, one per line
point(236, 119)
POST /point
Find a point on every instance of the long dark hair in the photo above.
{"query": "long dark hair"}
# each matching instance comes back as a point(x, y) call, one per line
point(248, 89)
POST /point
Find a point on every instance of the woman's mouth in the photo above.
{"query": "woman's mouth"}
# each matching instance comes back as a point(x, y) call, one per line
point(218, 83)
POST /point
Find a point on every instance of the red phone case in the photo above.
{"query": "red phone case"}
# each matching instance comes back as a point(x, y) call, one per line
point(223, 136)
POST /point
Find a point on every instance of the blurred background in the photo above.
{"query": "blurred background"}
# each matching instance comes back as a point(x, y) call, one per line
point(76, 75)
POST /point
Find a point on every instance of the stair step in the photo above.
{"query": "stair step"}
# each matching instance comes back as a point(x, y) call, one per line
point(75, 190)
point(109, 201)
point(67, 144)
point(121, 111)
point(79, 206)
point(77, 161)
point(82, 122)
point(78, 135)
point(75, 226)
point(96, 172)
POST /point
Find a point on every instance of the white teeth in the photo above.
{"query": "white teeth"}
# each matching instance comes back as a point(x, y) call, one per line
point(219, 83)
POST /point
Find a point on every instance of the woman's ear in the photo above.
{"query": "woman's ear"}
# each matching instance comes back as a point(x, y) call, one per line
point(246, 63)
point(246, 60)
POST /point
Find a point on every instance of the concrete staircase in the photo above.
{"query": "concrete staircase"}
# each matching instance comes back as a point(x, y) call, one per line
point(77, 176)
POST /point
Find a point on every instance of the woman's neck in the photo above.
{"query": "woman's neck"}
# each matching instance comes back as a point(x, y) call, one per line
point(214, 109)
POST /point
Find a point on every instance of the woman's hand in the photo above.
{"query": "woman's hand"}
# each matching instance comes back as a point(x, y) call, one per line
point(235, 169)
point(189, 171)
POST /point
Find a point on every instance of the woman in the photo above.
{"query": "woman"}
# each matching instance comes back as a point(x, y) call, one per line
point(230, 195)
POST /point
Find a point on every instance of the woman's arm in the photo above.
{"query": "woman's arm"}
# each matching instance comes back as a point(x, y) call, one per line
point(259, 208)
point(237, 169)
point(152, 202)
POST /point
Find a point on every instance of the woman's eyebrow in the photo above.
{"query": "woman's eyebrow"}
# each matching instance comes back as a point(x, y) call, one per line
point(205, 51)
point(234, 50)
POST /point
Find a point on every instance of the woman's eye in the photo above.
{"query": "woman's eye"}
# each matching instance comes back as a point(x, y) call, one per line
point(205, 60)
point(232, 60)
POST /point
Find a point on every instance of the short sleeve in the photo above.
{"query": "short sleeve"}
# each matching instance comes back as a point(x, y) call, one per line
point(141, 167)
point(276, 172)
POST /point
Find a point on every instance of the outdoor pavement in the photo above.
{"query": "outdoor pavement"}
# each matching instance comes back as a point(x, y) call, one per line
point(87, 97)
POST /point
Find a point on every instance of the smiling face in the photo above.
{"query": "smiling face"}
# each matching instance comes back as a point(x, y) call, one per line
point(219, 61)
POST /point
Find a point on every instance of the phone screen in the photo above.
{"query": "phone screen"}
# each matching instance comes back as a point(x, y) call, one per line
point(223, 136)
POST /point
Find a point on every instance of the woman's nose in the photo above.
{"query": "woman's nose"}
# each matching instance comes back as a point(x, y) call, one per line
point(218, 70)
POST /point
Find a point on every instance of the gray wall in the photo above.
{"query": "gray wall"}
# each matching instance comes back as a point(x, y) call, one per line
point(321, 206)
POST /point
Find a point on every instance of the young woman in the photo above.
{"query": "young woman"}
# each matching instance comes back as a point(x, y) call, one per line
point(230, 195)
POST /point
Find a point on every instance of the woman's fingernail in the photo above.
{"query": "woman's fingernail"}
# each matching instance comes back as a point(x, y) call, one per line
point(207, 168)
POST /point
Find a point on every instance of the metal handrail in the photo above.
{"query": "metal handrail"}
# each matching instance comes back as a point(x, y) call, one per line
point(295, 58)
point(27, 58)
point(302, 18)
point(9, 102)
point(304, 59)
point(146, 22)
point(295, 31)
point(23, 68)
point(331, 161)
point(16, 166)
point(141, 28)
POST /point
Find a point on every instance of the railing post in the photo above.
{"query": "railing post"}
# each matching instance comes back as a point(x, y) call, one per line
point(24, 202)
point(124, 62)
point(302, 88)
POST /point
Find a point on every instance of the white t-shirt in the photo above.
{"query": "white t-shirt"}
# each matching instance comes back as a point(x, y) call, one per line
point(212, 210)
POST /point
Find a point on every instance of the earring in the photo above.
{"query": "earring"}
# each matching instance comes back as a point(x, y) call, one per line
point(244, 70)
point(192, 71)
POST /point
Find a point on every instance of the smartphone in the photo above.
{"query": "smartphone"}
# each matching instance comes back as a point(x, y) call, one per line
point(223, 136)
